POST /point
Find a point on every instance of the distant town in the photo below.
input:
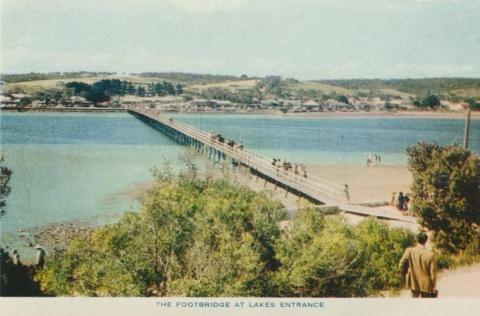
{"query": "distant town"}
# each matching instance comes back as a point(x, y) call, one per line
point(181, 92)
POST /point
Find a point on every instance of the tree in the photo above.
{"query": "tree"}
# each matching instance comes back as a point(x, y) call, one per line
point(431, 101)
point(169, 87)
point(78, 87)
point(474, 104)
point(5, 175)
point(273, 84)
point(446, 193)
point(342, 98)
point(141, 91)
point(178, 89)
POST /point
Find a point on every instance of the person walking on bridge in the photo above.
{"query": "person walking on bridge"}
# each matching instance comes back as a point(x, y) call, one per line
point(420, 267)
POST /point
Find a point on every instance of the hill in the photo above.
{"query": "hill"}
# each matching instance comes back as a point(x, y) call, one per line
point(448, 88)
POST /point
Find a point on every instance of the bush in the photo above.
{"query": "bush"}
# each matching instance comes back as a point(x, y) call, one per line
point(211, 238)
point(446, 193)
point(193, 237)
point(326, 257)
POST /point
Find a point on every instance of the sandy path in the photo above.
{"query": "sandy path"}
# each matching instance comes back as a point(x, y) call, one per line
point(463, 282)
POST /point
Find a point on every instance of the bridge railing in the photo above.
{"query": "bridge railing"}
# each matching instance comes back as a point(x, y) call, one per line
point(312, 185)
point(332, 189)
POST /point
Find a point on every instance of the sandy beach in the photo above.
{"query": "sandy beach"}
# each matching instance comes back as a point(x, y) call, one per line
point(367, 184)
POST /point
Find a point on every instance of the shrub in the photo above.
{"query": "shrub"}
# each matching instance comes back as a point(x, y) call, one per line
point(192, 237)
point(326, 257)
point(446, 193)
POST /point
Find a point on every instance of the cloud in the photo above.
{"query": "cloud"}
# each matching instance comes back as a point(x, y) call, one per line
point(441, 1)
point(399, 70)
point(209, 5)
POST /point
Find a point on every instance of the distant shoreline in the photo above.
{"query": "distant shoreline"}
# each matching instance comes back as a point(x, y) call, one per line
point(55, 109)
point(306, 115)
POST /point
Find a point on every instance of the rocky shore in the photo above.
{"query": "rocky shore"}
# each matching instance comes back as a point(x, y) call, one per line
point(55, 235)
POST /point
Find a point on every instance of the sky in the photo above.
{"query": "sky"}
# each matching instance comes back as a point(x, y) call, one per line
point(303, 39)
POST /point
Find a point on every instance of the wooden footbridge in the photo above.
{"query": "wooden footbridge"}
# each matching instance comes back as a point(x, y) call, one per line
point(310, 187)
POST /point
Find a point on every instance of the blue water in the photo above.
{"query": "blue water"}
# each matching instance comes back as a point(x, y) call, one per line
point(334, 140)
point(75, 166)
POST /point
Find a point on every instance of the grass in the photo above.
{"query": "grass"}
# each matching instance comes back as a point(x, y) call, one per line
point(324, 88)
point(41, 85)
point(230, 85)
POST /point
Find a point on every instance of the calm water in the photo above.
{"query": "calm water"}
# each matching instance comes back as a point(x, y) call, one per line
point(85, 166)
point(334, 140)
point(75, 167)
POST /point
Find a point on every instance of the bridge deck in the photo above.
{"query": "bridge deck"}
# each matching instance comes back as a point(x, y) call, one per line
point(311, 186)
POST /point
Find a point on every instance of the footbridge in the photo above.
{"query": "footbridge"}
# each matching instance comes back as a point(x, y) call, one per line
point(311, 187)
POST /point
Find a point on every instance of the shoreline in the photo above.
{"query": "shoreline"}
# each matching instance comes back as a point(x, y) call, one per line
point(55, 109)
point(305, 115)
point(373, 184)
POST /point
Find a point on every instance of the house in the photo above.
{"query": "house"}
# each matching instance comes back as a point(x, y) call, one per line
point(310, 103)
point(269, 102)
point(452, 106)
point(78, 101)
point(20, 96)
point(6, 101)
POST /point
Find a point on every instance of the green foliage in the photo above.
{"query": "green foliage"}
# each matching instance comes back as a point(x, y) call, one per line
point(5, 175)
point(187, 77)
point(273, 84)
point(192, 237)
point(431, 101)
point(242, 96)
point(446, 193)
point(11, 78)
point(326, 257)
point(212, 238)
point(103, 90)
point(447, 87)
point(474, 104)
point(342, 98)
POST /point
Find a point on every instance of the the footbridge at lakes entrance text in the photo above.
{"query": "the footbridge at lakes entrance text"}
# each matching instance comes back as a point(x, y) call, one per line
point(311, 187)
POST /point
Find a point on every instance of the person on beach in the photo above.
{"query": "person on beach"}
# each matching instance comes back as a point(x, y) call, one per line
point(369, 160)
point(392, 201)
point(347, 193)
point(40, 262)
point(304, 170)
point(419, 266)
point(406, 203)
point(400, 202)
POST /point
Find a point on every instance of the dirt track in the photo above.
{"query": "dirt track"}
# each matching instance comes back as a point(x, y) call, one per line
point(460, 283)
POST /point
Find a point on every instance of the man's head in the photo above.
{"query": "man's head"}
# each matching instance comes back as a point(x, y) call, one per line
point(422, 238)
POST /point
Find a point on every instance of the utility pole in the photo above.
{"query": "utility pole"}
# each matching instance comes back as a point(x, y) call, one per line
point(467, 130)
